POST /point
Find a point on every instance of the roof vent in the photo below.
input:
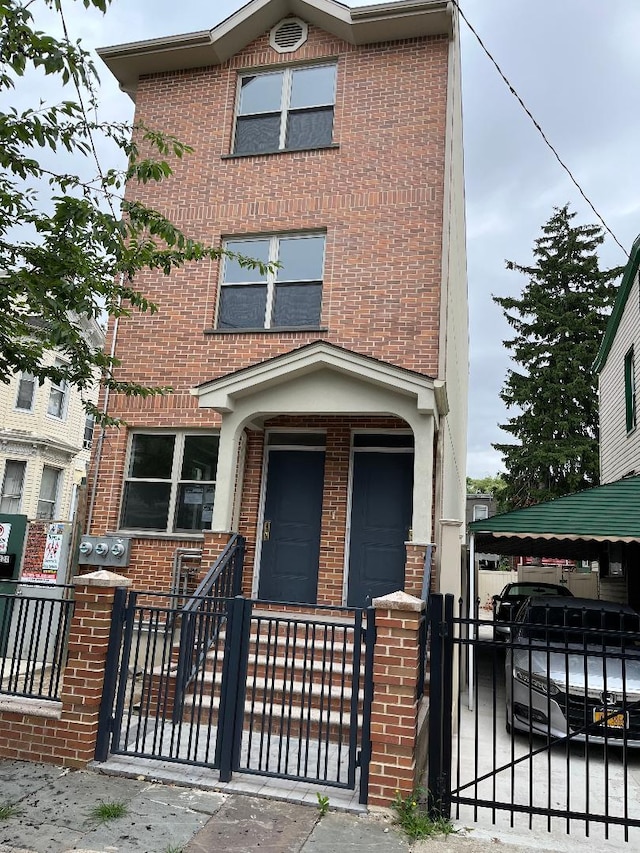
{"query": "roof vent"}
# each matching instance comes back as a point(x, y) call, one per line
point(288, 35)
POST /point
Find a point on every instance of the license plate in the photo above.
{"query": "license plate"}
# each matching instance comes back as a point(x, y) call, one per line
point(610, 718)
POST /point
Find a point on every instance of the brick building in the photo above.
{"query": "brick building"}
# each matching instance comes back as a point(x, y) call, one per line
point(319, 409)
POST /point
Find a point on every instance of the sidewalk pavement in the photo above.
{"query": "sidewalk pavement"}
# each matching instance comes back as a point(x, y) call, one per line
point(53, 809)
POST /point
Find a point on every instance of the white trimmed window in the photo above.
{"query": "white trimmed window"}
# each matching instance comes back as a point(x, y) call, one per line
point(170, 481)
point(285, 110)
point(89, 427)
point(57, 407)
point(290, 296)
point(480, 511)
point(26, 392)
point(12, 485)
point(48, 499)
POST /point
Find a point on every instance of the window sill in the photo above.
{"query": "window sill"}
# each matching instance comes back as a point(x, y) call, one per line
point(260, 331)
point(334, 145)
point(156, 534)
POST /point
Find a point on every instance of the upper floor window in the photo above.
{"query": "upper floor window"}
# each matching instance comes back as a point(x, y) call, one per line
point(12, 485)
point(285, 110)
point(288, 296)
point(89, 426)
point(480, 511)
point(26, 391)
point(58, 396)
point(630, 390)
point(48, 497)
point(170, 482)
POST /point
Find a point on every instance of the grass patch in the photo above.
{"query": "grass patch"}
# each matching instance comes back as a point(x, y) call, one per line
point(413, 816)
point(7, 811)
point(174, 848)
point(104, 812)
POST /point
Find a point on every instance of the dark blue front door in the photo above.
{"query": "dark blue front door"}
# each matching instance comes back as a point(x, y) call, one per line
point(381, 508)
point(291, 528)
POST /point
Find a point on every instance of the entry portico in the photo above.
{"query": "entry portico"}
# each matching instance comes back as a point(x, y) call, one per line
point(322, 380)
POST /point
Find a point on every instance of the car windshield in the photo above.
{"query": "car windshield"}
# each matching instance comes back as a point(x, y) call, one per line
point(605, 627)
point(526, 590)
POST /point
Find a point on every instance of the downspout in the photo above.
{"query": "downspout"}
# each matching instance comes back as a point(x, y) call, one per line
point(105, 406)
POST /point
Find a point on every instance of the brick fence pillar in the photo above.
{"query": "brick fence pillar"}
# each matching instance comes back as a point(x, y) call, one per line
point(394, 709)
point(84, 672)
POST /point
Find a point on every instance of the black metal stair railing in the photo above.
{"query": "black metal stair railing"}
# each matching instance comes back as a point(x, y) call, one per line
point(203, 615)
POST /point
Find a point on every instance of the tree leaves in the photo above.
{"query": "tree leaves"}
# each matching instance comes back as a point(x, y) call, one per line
point(70, 246)
point(558, 321)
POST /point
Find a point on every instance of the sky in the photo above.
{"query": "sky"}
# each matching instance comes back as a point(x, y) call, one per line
point(575, 64)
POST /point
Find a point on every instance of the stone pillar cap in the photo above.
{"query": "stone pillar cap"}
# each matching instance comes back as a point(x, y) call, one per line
point(101, 577)
point(399, 601)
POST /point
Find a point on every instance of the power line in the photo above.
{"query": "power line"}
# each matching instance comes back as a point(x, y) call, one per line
point(537, 126)
point(76, 83)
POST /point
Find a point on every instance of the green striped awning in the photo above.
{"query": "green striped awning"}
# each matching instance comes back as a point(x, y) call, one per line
point(609, 513)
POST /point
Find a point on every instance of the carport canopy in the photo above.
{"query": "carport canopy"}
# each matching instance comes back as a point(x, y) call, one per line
point(574, 526)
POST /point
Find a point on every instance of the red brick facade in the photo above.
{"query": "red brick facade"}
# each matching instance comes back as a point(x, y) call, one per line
point(378, 194)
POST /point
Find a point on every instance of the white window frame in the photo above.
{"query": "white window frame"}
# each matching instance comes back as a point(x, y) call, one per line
point(20, 494)
point(27, 378)
point(271, 278)
point(61, 388)
point(285, 101)
point(483, 515)
point(52, 503)
point(175, 480)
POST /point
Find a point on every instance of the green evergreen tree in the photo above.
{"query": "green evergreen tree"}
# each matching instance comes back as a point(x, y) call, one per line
point(559, 321)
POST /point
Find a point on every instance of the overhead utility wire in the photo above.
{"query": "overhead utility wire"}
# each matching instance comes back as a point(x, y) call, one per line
point(76, 82)
point(537, 126)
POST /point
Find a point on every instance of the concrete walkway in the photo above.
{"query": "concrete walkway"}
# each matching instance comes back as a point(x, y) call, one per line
point(53, 814)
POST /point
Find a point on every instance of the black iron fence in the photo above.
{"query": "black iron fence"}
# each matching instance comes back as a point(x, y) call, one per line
point(539, 722)
point(34, 627)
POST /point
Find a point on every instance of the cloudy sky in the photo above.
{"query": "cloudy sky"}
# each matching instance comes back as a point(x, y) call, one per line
point(576, 65)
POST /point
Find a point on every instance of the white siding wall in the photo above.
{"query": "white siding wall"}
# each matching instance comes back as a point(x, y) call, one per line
point(619, 451)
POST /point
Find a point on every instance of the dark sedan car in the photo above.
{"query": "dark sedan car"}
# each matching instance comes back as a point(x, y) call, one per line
point(507, 604)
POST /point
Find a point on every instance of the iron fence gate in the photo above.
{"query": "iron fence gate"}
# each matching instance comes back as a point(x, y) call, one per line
point(276, 693)
point(543, 726)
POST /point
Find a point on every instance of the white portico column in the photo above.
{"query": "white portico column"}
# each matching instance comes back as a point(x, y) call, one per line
point(423, 431)
point(226, 477)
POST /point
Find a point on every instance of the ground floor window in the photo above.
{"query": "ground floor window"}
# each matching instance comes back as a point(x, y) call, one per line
point(12, 485)
point(49, 487)
point(170, 481)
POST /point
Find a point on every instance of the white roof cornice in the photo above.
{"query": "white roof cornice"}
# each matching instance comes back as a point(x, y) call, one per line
point(380, 22)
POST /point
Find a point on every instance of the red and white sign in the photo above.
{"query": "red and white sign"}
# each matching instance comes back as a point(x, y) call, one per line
point(5, 530)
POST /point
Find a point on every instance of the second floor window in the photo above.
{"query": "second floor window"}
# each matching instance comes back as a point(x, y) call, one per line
point(57, 407)
point(12, 486)
point(89, 426)
point(26, 391)
point(290, 296)
point(285, 110)
point(630, 390)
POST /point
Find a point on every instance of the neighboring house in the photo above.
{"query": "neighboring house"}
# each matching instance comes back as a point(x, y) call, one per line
point(481, 505)
point(616, 365)
point(320, 409)
point(45, 442)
